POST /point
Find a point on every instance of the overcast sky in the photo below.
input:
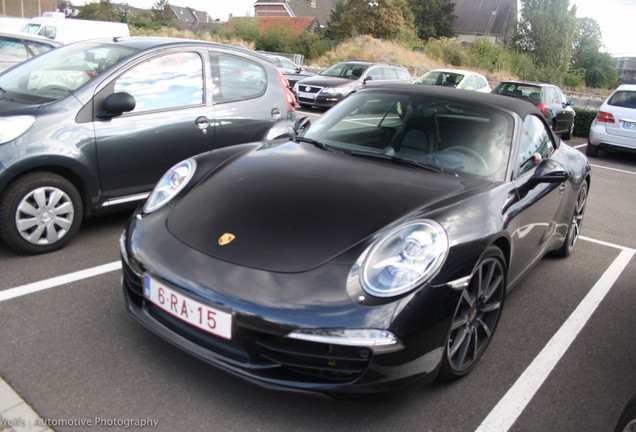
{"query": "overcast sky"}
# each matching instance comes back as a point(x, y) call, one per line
point(616, 17)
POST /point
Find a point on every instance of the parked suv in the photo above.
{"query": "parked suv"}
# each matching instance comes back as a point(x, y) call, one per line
point(338, 81)
point(614, 127)
point(93, 125)
point(548, 98)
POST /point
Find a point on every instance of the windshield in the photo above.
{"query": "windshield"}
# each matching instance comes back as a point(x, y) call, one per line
point(345, 70)
point(446, 79)
point(464, 138)
point(60, 72)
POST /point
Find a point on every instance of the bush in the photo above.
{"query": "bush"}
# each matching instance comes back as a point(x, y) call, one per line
point(584, 119)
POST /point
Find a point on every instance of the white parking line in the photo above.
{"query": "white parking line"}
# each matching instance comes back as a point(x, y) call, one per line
point(613, 169)
point(11, 293)
point(514, 402)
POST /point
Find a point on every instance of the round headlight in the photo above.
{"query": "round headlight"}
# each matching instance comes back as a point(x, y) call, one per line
point(404, 258)
point(172, 182)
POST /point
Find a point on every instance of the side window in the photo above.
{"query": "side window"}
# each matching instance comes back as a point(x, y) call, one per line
point(48, 31)
point(403, 74)
point(471, 82)
point(375, 74)
point(390, 73)
point(236, 78)
point(169, 81)
point(482, 83)
point(535, 144)
point(553, 95)
point(38, 47)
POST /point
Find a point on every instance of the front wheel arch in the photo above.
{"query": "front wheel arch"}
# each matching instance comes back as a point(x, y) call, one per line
point(476, 316)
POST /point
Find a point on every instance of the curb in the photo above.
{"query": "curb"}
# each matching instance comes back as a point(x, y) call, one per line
point(16, 415)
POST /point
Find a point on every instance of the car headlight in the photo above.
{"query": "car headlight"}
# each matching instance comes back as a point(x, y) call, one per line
point(336, 90)
point(172, 182)
point(14, 126)
point(402, 259)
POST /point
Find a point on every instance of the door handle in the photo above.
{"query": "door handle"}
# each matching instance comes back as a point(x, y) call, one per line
point(202, 123)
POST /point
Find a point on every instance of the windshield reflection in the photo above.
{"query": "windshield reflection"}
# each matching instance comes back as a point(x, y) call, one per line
point(58, 73)
point(458, 137)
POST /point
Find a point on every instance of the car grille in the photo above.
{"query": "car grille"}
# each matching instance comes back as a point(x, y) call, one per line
point(309, 89)
point(265, 355)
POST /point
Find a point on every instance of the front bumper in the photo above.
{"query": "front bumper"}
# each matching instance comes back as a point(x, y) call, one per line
point(321, 100)
point(259, 350)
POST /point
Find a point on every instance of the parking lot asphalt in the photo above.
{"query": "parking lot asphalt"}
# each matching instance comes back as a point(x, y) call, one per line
point(563, 358)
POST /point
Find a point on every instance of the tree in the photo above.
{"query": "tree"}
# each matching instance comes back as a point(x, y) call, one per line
point(378, 18)
point(546, 31)
point(99, 11)
point(433, 18)
point(162, 13)
point(598, 68)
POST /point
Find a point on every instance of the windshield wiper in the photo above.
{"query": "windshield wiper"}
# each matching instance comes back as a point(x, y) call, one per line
point(398, 159)
point(321, 145)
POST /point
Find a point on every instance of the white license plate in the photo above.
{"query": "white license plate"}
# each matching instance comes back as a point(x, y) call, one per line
point(204, 317)
point(307, 95)
point(629, 125)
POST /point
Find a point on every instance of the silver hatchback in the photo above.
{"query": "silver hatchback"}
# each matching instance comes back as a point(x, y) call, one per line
point(614, 127)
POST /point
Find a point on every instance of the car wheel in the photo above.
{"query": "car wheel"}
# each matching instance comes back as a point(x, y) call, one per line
point(476, 316)
point(568, 135)
point(627, 420)
point(574, 229)
point(40, 212)
point(591, 150)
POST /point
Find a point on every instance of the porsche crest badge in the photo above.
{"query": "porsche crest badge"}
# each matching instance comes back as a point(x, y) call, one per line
point(226, 238)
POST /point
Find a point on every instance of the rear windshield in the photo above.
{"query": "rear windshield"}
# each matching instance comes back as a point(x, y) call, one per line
point(623, 99)
point(519, 90)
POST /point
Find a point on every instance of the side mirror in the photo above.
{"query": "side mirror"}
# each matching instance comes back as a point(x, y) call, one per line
point(367, 79)
point(549, 171)
point(301, 124)
point(117, 104)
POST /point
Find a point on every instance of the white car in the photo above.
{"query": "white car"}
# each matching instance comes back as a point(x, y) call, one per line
point(457, 78)
point(614, 127)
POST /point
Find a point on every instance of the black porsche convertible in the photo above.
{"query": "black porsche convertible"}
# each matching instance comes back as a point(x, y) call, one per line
point(372, 251)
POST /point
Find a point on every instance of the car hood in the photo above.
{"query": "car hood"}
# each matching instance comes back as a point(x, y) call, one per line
point(326, 81)
point(293, 207)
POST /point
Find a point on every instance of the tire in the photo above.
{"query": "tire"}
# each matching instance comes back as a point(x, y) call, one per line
point(591, 150)
point(568, 135)
point(39, 213)
point(476, 316)
point(574, 230)
point(627, 420)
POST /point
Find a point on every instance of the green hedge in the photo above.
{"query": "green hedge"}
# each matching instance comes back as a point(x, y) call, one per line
point(584, 118)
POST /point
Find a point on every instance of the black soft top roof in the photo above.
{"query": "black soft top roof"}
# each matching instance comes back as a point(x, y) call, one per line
point(519, 106)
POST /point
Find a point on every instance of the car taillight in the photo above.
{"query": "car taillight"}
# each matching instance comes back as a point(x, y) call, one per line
point(290, 99)
point(605, 117)
point(543, 107)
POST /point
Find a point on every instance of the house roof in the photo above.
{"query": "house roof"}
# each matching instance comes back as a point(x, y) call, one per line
point(303, 8)
point(483, 16)
point(297, 25)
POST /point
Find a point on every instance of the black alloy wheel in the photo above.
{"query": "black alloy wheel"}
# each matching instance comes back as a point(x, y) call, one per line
point(574, 230)
point(476, 316)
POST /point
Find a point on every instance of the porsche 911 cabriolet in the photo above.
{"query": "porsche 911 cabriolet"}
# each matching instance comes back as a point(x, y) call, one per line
point(372, 251)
